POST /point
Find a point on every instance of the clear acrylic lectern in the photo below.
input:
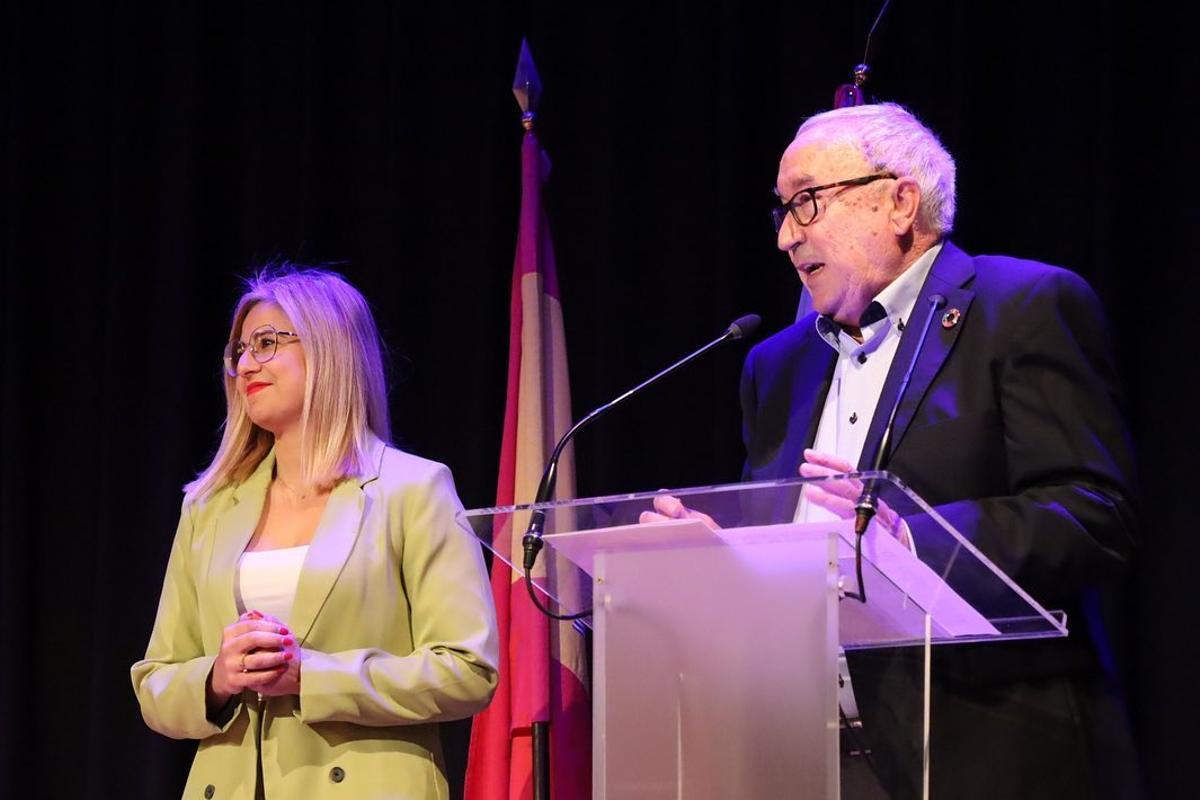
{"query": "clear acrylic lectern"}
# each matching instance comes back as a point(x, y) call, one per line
point(731, 657)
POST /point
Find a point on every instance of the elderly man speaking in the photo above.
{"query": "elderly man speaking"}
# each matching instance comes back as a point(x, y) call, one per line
point(1011, 427)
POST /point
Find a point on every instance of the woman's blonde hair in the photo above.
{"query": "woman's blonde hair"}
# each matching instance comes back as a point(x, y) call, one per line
point(345, 393)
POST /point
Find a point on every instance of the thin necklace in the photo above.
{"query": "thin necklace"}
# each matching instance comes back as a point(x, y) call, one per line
point(296, 496)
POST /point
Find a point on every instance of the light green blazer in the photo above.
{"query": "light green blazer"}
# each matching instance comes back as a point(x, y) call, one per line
point(395, 616)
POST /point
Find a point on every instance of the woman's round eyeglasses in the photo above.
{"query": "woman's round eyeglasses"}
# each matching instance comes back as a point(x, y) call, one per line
point(264, 341)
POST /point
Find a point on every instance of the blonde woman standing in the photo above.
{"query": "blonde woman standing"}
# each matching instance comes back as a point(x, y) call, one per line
point(322, 607)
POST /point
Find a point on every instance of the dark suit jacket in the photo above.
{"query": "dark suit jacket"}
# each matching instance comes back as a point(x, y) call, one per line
point(1011, 427)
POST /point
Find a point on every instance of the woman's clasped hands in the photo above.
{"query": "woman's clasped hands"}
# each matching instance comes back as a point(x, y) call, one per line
point(259, 653)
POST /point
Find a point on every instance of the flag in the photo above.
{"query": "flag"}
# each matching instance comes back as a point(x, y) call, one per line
point(543, 662)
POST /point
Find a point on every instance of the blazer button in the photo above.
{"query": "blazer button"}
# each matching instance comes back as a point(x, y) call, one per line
point(209, 791)
point(337, 774)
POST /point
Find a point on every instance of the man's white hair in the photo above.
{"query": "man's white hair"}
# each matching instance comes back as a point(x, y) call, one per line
point(893, 140)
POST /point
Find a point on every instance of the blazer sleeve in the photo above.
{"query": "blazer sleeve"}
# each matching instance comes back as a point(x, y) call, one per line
point(170, 681)
point(452, 671)
point(1069, 518)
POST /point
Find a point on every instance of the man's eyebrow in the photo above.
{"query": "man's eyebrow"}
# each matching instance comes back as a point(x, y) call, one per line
point(798, 181)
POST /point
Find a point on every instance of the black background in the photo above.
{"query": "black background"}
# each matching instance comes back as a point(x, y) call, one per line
point(152, 154)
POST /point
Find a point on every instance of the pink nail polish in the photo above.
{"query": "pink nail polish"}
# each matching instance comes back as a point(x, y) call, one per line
point(287, 656)
point(282, 630)
point(288, 642)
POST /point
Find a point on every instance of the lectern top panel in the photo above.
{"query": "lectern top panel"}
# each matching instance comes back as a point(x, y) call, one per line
point(914, 562)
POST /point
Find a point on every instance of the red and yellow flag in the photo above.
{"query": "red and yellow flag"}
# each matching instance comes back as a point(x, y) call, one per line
point(543, 663)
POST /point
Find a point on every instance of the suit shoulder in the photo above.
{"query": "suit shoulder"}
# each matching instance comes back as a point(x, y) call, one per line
point(409, 484)
point(399, 470)
point(1016, 276)
point(1038, 295)
point(401, 465)
point(782, 343)
point(202, 510)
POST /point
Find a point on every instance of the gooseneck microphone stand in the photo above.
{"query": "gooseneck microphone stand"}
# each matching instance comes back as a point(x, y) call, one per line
point(868, 501)
point(532, 540)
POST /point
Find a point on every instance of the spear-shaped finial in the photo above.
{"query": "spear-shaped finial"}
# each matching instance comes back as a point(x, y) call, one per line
point(527, 86)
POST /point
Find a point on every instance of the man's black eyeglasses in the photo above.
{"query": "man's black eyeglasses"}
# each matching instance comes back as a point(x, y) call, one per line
point(803, 204)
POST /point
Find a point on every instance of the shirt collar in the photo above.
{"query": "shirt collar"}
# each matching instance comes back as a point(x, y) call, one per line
point(894, 304)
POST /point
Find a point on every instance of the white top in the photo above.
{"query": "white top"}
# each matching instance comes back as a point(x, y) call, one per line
point(267, 580)
point(862, 368)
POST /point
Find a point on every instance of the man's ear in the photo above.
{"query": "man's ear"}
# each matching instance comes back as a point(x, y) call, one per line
point(906, 201)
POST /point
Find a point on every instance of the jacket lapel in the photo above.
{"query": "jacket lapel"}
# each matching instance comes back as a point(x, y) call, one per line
point(950, 272)
point(813, 377)
point(331, 545)
point(789, 411)
point(234, 529)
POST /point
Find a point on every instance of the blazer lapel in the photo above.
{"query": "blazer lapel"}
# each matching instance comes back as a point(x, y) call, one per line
point(331, 545)
point(813, 377)
point(234, 529)
point(788, 413)
point(950, 272)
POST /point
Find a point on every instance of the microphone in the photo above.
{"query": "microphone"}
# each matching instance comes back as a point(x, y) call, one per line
point(868, 501)
point(741, 327)
point(532, 541)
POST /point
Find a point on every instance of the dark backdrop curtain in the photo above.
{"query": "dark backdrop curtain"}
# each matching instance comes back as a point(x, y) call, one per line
point(152, 154)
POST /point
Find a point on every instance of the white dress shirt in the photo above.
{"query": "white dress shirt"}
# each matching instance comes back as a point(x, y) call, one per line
point(861, 370)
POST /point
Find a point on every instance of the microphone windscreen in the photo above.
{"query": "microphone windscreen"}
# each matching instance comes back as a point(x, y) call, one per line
point(744, 326)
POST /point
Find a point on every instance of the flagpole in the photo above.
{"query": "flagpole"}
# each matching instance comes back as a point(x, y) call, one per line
point(541, 761)
point(534, 740)
point(526, 88)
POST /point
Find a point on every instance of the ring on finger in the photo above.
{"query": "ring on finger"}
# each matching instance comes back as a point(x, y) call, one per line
point(242, 662)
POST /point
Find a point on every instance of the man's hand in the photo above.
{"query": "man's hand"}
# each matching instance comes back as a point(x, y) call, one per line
point(839, 497)
point(668, 507)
